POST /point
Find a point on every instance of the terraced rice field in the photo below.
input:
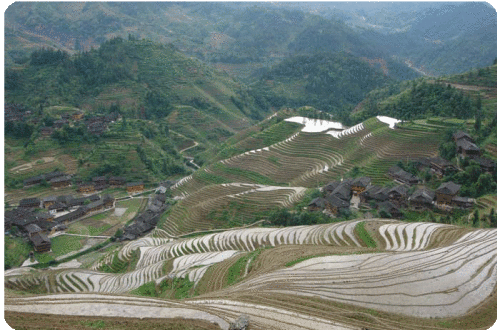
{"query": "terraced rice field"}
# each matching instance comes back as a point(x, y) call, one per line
point(193, 213)
point(309, 158)
point(419, 270)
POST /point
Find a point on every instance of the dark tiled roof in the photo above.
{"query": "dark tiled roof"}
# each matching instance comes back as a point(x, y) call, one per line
point(449, 188)
point(93, 197)
point(467, 145)
point(65, 198)
point(423, 195)
point(335, 201)
point(32, 228)
point(362, 181)
point(40, 239)
point(58, 205)
point(485, 162)
point(406, 176)
point(331, 186)
point(394, 169)
point(318, 202)
point(77, 202)
point(49, 198)
point(441, 162)
point(343, 190)
point(29, 201)
point(60, 179)
point(95, 204)
point(399, 189)
point(388, 206)
point(135, 184)
point(461, 134)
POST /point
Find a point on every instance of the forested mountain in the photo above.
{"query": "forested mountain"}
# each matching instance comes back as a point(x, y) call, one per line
point(145, 78)
point(465, 96)
point(333, 82)
point(244, 37)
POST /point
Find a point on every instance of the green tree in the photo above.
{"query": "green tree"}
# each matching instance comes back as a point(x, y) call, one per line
point(118, 233)
point(493, 218)
point(447, 150)
point(479, 116)
point(475, 219)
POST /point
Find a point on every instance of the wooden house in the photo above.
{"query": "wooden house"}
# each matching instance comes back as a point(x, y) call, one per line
point(486, 165)
point(44, 216)
point(446, 192)
point(359, 185)
point(54, 174)
point(29, 202)
point(58, 207)
point(135, 187)
point(317, 204)
point(59, 182)
point(116, 181)
point(94, 206)
point(439, 166)
point(376, 193)
point(334, 204)
point(328, 188)
point(466, 148)
point(41, 243)
point(49, 201)
point(462, 135)
point(462, 202)
point(33, 229)
point(401, 176)
point(423, 163)
point(108, 200)
point(398, 195)
point(86, 188)
point(390, 208)
point(100, 181)
point(422, 198)
point(33, 181)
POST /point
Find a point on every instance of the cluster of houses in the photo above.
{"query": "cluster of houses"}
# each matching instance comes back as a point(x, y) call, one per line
point(147, 220)
point(97, 125)
point(56, 179)
point(339, 195)
point(15, 113)
point(59, 123)
point(100, 183)
point(467, 148)
point(37, 224)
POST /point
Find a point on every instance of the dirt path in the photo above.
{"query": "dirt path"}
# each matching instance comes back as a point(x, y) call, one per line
point(28, 166)
point(465, 87)
point(195, 144)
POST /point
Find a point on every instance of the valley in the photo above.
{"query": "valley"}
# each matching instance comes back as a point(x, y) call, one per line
point(250, 166)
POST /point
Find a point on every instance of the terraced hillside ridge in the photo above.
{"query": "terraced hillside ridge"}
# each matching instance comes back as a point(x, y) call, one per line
point(241, 201)
point(309, 158)
point(417, 270)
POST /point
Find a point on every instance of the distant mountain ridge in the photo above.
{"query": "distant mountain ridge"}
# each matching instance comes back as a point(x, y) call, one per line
point(261, 35)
